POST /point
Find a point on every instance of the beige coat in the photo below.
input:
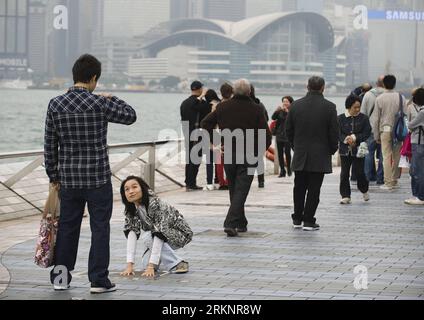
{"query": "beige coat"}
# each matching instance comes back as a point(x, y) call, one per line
point(386, 107)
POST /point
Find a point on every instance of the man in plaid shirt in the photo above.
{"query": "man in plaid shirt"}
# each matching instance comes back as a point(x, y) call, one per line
point(76, 159)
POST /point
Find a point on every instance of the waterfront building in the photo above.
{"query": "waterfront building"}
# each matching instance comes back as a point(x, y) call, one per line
point(13, 38)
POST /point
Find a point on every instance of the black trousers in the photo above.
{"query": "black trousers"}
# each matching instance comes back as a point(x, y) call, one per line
point(239, 183)
point(357, 165)
point(261, 177)
point(283, 149)
point(72, 203)
point(191, 168)
point(306, 185)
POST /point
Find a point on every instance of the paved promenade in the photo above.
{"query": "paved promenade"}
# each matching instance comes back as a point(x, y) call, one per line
point(270, 261)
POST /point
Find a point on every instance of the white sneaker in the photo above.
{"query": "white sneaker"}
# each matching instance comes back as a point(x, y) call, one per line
point(209, 187)
point(61, 287)
point(386, 187)
point(366, 196)
point(415, 202)
point(345, 201)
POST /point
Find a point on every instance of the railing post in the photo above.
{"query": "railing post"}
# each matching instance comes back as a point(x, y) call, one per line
point(150, 167)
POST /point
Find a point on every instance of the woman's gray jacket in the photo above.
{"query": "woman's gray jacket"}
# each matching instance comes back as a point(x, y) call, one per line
point(163, 220)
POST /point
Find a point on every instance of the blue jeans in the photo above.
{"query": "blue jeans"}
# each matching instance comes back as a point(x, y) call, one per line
point(417, 171)
point(370, 172)
point(72, 204)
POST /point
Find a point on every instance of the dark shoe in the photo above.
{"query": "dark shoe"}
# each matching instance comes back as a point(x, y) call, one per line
point(223, 188)
point(282, 174)
point(379, 183)
point(231, 232)
point(310, 226)
point(297, 224)
point(289, 173)
point(241, 230)
point(102, 289)
point(193, 188)
point(261, 185)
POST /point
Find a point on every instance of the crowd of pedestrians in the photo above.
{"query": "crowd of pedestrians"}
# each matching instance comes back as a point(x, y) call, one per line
point(308, 133)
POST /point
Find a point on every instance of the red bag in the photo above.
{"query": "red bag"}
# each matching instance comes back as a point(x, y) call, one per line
point(406, 150)
point(272, 127)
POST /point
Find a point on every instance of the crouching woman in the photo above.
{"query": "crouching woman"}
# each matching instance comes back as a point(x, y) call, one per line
point(161, 227)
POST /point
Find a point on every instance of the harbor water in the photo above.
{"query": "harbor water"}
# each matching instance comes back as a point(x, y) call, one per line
point(158, 117)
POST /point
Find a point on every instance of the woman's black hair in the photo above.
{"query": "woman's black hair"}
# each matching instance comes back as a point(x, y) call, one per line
point(211, 96)
point(130, 207)
point(289, 98)
point(350, 101)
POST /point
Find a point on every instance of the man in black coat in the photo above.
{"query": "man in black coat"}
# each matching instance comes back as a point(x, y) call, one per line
point(239, 116)
point(312, 130)
point(193, 110)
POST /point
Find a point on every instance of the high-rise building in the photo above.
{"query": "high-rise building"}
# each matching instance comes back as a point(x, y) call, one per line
point(289, 5)
point(130, 18)
point(234, 10)
point(13, 37)
point(37, 48)
point(179, 9)
point(68, 43)
point(316, 6)
point(383, 4)
point(65, 46)
point(258, 7)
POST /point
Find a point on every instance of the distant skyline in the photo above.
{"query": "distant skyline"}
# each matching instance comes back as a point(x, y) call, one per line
point(117, 30)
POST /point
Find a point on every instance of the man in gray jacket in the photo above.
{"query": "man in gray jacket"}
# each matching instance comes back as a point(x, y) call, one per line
point(386, 107)
point(416, 126)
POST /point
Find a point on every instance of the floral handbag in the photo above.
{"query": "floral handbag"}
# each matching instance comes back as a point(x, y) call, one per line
point(48, 229)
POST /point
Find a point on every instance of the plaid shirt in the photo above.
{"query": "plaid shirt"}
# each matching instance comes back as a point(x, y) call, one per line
point(75, 146)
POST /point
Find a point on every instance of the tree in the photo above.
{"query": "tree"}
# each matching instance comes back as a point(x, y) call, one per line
point(170, 82)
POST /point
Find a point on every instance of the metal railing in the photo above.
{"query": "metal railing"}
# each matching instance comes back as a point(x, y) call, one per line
point(151, 166)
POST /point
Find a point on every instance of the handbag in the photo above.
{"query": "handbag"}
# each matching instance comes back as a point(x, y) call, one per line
point(362, 150)
point(273, 127)
point(406, 147)
point(46, 240)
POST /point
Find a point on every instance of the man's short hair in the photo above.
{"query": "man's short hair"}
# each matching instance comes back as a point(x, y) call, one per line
point(85, 68)
point(226, 91)
point(418, 97)
point(389, 82)
point(196, 85)
point(242, 87)
point(316, 83)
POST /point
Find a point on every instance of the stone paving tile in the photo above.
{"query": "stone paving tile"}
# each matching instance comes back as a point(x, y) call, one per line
point(284, 264)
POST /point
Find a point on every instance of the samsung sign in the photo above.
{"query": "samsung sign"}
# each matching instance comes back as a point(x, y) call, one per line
point(393, 15)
